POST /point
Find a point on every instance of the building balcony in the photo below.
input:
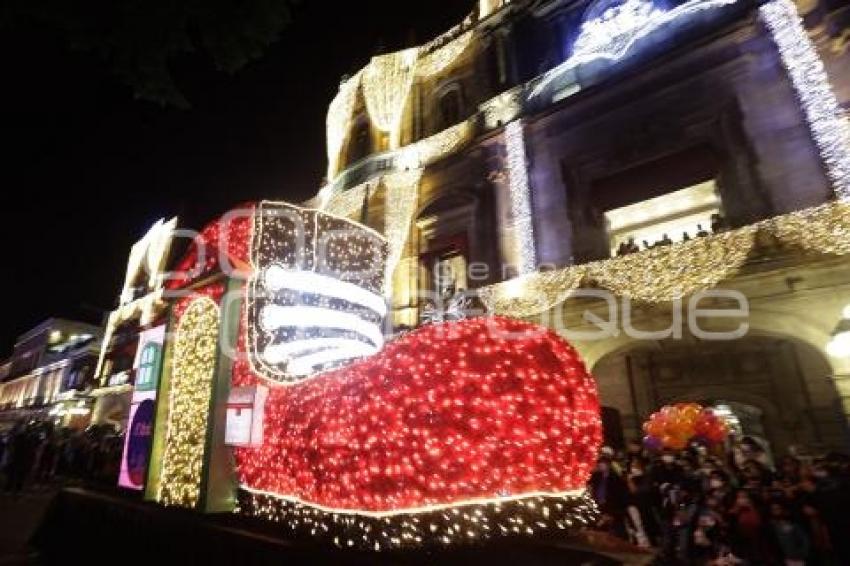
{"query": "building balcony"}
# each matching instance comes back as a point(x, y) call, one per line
point(671, 272)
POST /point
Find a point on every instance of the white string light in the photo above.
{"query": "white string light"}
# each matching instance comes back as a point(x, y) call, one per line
point(502, 108)
point(275, 317)
point(613, 35)
point(808, 76)
point(282, 353)
point(612, 29)
point(520, 197)
point(278, 278)
point(315, 295)
point(353, 349)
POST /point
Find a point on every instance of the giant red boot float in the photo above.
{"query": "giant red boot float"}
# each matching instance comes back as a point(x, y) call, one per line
point(456, 431)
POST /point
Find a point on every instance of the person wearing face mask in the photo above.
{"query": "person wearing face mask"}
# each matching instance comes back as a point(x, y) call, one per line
point(609, 490)
point(830, 496)
point(715, 481)
point(822, 548)
point(667, 471)
point(792, 540)
point(717, 484)
point(747, 529)
point(788, 471)
point(634, 452)
point(681, 511)
point(708, 539)
point(643, 521)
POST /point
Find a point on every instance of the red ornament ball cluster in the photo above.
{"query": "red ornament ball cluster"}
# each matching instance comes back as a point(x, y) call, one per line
point(485, 408)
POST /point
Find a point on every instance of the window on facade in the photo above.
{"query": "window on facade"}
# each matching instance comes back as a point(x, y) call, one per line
point(361, 141)
point(674, 217)
point(451, 106)
point(148, 366)
point(449, 271)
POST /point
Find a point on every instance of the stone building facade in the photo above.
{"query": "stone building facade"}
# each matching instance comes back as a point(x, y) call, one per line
point(525, 150)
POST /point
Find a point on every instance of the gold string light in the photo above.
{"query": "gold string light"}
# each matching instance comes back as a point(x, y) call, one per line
point(443, 527)
point(386, 83)
point(193, 366)
point(438, 60)
point(668, 273)
point(402, 197)
point(401, 189)
point(823, 229)
point(433, 148)
point(532, 293)
point(347, 204)
point(339, 121)
point(386, 86)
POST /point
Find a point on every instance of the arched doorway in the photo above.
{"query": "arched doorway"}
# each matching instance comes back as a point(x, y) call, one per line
point(777, 387)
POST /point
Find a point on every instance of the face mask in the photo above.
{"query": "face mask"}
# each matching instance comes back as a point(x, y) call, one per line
point(715, 484)
point(667, 459)
point(820, 474)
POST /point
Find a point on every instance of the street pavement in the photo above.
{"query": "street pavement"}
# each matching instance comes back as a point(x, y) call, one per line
point(20, 515)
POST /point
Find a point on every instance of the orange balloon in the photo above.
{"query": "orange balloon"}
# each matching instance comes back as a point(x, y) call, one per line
point(654, 428)
point(691, 413)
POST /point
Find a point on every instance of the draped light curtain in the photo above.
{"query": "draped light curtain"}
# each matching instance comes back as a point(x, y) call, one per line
point(386, 86)
point(339, 121)
point(432, 62)
point(672, 272)
point(402, 197)
point(386, 83)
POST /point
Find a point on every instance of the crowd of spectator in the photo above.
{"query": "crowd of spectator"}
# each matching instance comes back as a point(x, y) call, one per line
point(695, 506)
point(630, 246)
point(727, 506)
point(38, 454)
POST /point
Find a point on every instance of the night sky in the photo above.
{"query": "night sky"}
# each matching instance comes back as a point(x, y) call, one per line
point(86, 169)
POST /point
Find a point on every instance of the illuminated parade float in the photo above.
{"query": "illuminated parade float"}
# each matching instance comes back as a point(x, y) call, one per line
point(406, 359)
point(456, 431)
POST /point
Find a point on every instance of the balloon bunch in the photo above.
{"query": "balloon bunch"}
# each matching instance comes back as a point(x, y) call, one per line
point(675, 426)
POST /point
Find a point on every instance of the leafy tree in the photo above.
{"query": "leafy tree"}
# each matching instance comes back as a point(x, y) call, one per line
point(140, 39)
